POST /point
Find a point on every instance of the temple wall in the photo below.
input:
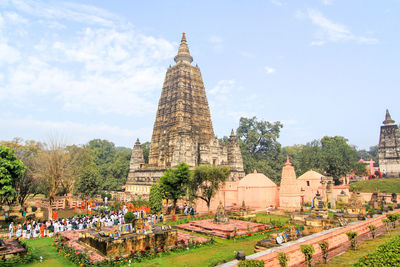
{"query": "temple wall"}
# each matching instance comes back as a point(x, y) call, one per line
point(337, 239)
point(257, 197)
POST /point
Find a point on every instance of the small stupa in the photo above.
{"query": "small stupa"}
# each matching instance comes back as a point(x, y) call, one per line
point(289, 192)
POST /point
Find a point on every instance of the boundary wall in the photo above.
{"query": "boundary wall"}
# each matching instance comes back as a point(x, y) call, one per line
point(336, 237)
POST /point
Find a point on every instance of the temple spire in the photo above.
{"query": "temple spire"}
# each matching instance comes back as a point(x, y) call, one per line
point(232, 133)
point(287, 161)
point(388, 119)
point(183, 52)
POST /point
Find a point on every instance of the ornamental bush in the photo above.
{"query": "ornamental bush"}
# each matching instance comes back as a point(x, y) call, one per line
point(251, 263)
point(283, 258)
point(129, 217)
point(372, 229)
point(324, 245)
point(308, 252)
point(386, 254)
point(352, 237)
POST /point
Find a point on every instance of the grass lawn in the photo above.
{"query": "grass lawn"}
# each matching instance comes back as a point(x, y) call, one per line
point(222, 250)
point(351, 256)
point(383, 185)
point(270, 219)
point(50, 256)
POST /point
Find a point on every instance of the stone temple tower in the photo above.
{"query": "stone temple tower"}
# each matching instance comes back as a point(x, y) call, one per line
point(289, 191)
point(389, 147)
point(183, 130)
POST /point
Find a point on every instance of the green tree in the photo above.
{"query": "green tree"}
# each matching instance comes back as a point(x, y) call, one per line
point(206, 181)
point(117, 171)
point(11, 171)
point(308, 252)
point(26, 152)
point(283, 259)
point(324, 245)
point(175, 181)
point(260, 148)
point(146, 151)
point(352, 238)
point(88, 183)
point(155, 198)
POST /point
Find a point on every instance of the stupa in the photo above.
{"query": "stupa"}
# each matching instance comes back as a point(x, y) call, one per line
point(183, 130)
point(289, 192)
point(389, 147)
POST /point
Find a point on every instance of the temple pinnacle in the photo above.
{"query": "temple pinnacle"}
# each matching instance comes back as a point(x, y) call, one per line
point(183, 52)
point(288, 161)
point(232, 133)
point(388, 119)
point(183, 38)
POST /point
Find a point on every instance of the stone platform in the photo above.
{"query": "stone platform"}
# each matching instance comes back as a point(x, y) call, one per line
point(73, 241)
point(208, 227)
point(11, 247)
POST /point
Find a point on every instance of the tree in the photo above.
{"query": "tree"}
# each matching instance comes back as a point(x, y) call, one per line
point(352, 238)
point(324, 245)
point(54, 169)
point(88, 183)
point(174, 182)
point(372, 229)
point(283, 259)
point(260, 148)
point(11, 171)
point(146, 151)
point(112, 162)
point(26, 152)
point(308, 252)
point(155, 198)
point(206, 181)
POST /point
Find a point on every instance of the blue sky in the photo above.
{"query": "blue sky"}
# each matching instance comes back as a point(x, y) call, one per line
point(94, 69)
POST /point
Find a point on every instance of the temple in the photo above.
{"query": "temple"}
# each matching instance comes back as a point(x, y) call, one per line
point(289, 193)
point(183, 130)
point(389, 147)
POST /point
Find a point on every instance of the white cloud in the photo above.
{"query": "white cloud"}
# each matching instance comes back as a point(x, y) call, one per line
point(223, 87)
point(327, 2)
point(104, 65)
point(276, 2)
point(217, 43)
point(78, 132)
point(269, 70)
point(328, 31)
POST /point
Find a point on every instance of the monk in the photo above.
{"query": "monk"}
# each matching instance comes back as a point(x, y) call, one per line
point(42, 227)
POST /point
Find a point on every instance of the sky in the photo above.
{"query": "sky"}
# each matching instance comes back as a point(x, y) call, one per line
point(95, 69)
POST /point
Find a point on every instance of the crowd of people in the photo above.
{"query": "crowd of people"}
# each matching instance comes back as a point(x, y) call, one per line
point(37, 229)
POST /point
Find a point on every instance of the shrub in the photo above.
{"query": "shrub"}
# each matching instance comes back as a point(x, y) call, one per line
point(324, 245)
point(283, 258)
point(352, 237)
point(308, 252)
point(34, 208)
point(386, 254)
point(129, 217)
point(393, 218)
point(372, 229)
point(251, 263)
point(386, 222)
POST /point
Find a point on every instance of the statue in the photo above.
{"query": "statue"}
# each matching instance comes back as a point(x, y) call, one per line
point(220, 215)
point(98, 226)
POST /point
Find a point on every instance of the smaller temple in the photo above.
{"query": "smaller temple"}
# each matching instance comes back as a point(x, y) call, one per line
point(389, 147)
point(289, 193)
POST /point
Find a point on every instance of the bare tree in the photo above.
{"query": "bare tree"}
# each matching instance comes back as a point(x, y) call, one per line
point(54, 168)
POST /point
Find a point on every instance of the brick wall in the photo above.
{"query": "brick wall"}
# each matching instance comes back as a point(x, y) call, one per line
point(337, 239)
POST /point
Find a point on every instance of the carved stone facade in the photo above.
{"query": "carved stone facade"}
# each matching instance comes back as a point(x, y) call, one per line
point(183, 130)
point(389, 147)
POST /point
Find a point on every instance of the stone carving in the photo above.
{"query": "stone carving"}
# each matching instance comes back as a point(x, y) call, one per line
point(389, 147)
point(183, 130)
point(220, 215)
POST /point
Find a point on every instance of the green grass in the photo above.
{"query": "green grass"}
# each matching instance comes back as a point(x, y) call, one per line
point(351, 256)
point(270, 219)
point(383, 185)
point(222, 250)
point(51, 257)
